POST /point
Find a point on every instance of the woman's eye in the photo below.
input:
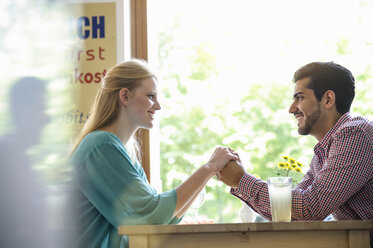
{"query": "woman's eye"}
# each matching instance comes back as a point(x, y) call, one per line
point(151, 97)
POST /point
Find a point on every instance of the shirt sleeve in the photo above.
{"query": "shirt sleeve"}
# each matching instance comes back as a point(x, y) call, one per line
point(254, 192)
point(174, 220)
point(116, 187)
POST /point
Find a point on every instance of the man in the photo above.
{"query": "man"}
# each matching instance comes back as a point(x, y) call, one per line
point(340, 178)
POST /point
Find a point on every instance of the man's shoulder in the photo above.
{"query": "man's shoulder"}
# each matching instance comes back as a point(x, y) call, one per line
point(357, 124)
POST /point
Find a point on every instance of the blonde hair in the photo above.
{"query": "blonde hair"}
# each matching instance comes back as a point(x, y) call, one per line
point(105, 109)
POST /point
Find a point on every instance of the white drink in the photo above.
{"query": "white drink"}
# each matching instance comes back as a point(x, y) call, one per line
point(280, 198)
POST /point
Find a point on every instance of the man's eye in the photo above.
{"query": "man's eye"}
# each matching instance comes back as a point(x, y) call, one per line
point(151, 97)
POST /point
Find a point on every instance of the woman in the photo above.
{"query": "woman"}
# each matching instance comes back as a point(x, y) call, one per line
point(112, 186)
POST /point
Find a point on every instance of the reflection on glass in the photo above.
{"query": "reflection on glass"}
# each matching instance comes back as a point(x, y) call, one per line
point(24, 195)
point(198, 202)
point(33, 144)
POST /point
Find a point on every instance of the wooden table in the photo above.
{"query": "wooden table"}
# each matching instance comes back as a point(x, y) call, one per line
point(328, 234)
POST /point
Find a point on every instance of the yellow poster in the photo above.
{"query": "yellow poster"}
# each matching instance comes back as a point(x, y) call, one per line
point(93, 31)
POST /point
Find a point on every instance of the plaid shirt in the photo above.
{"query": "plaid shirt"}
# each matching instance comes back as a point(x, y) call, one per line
point(339, 181)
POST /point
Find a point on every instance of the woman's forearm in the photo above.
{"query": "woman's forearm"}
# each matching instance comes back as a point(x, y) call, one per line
point(183, 210)
point(189, 190)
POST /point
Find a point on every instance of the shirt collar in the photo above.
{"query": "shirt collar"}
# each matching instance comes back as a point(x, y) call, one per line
point(324, 143)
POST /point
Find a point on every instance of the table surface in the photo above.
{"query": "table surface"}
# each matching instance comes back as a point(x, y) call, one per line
point(244, 227)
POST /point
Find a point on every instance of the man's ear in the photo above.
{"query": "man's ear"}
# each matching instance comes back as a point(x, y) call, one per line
point(123, 96)
point(329, 99)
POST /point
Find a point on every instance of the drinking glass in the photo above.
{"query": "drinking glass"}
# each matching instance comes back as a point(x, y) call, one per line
point(279, 189)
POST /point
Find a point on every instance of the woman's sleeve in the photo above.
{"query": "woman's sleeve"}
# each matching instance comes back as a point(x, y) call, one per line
point(174, 220)
point(115, 187)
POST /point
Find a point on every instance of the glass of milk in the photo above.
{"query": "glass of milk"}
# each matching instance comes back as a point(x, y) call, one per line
point(280, 198)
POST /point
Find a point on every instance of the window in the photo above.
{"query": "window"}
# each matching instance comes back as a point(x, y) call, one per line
point(225, 71)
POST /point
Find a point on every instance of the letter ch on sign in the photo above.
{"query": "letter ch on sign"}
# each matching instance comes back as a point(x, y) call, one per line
point(94, 27)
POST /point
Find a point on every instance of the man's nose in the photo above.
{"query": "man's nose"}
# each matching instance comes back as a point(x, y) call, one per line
point(292, 108)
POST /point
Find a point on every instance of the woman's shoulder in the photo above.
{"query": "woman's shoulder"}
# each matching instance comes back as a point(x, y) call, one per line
point(101, 137)
point(97, 140)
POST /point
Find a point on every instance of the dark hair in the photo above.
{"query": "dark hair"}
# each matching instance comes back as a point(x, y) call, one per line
point(329, 76)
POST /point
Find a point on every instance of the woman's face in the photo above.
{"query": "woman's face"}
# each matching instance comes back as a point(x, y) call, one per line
point(143, 103)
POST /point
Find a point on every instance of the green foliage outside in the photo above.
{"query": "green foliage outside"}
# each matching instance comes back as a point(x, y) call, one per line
point(186, 140)
point(256, 123)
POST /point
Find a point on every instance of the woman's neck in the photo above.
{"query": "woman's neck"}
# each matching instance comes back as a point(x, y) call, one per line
point(121, 130)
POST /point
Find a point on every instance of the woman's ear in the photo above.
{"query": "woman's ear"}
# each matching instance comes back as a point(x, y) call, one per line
point(123, 96)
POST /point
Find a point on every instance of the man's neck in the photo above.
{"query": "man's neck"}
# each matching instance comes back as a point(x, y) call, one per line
point(327, 124)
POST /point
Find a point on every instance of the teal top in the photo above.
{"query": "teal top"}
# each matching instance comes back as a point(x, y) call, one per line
point(113, 191)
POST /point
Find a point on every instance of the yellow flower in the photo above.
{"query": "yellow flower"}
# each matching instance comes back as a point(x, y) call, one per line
point(282, 165)
point(289, 168)
point(285, 157)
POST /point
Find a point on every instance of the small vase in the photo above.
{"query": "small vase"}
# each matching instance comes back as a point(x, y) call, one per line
point(247, 214)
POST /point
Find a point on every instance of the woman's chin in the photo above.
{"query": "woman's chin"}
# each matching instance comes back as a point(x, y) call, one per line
point(148, 126)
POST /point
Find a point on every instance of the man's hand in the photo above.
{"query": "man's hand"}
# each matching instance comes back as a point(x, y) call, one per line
point(231, 174)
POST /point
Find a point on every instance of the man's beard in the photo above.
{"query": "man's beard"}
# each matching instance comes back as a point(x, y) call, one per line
point(309, 122)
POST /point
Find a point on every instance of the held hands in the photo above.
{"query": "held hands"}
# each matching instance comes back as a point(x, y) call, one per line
point(220, 157)
point(232, 173)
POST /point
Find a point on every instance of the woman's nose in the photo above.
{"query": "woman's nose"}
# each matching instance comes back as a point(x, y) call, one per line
point(157, 105)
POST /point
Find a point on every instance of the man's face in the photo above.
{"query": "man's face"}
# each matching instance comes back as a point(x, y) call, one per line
point(306, 108)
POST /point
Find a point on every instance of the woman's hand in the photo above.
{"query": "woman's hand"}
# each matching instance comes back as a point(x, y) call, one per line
point(220, 157)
